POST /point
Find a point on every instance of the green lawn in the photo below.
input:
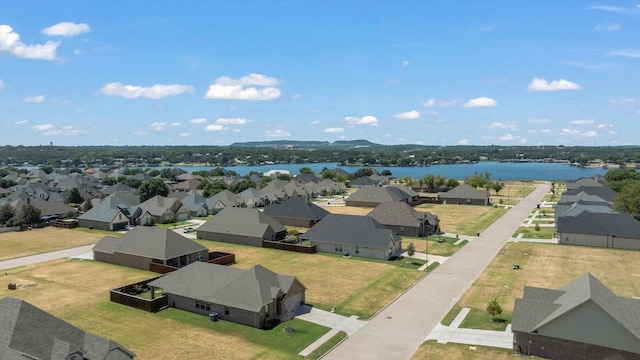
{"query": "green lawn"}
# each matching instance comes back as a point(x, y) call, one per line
point(531, 233)
point(446, 248)
point(480, 319)
point(322, 349)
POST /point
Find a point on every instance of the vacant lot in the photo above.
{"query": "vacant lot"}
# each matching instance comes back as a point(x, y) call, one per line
point(463, 219)
point(435, 351)
point(37, 241)
point(348, 210)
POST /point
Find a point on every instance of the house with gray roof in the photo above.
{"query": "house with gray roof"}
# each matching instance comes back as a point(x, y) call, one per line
point(144, 245)
point(372, 196)
point(604, 192)
point(28, 332)
point(364, 181)
point(361, 236)
point(246, 296)
point(253, 198)
point(296, 212)
point(224, 199)
point(241, 226)
point(585, 181)
point(405, 220)
point(196, 203)
point(111, 214)
point(465, 194)
point(608, 230)
point(54, 209)
point(581, 320)
point(162, 210)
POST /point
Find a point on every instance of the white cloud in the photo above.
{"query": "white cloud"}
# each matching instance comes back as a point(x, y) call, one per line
point(507, 137)
point(198, 121)
point(463, 142)
point(232, 121)
point(405, 63)
point(539, 84)
point(431, 102)
point(627, 101)
point(408, 115)
point(234, 89)
point(582, 122)
point(315, 122)
point(1, 85)
point(215, 127)
point(589, 134)
point(570, 132)
point(634, 53)
point(523, 141)
point(504, 125)
point(633, 10)
point(295, 97)
point(10, 43)
point(33, 99)
point(184, 134)
point(546, 131)
point(277, 133)
point(157, 91)
point(365, 120)
point(608, 27)
point(334, 130)
point(66, 29)
point(44, 127)
point(539, 121)
point(140, 133)
point(175, 124)
point(158, 126)
point(21, 122)
point(482, 101)
point(66, 130)
point(605, 126)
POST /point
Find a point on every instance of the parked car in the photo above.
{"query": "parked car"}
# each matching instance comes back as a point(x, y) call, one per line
point(188, 229)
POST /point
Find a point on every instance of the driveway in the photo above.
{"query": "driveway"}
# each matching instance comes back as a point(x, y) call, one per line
point(399, 329)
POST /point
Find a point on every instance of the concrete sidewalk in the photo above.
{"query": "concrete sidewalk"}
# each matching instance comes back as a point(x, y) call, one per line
point(452, 333)
point(33, 259)
point(336, 322)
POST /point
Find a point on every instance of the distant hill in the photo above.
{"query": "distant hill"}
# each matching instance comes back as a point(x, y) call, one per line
point(308, 145)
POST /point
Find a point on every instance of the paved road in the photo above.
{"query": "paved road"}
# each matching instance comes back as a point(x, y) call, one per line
point(398, 330)
point(33, 259)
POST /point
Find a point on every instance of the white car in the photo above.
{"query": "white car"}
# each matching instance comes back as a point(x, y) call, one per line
point(188, 229)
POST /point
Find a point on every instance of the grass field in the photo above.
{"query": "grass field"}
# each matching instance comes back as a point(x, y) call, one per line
point(446, 248)
point(542, 265)
point(348, 284)
point(463, 219)
point(37, 241)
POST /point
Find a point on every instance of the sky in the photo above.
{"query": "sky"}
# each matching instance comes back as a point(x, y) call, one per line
point(391, 72)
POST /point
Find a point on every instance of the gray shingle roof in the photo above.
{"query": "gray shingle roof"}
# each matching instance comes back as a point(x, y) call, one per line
point(159, 205)
point(543, 306)
point(248, 289)
point(378, 194)
point(297, 208)
point(241, 221)
point(351, 230)
point(107, 210)
point(29, 332)
point(151, 242)
point(464, 191)
point(603, 192)
point(227, 198)
point(400, 214)
point(615, 224)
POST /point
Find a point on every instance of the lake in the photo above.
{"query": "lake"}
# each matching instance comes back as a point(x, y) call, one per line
point(498, 170)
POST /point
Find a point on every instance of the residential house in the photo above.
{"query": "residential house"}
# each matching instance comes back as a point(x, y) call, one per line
point(143, 245)
point(241, 226)
point(603, 192)
point(370, 196)
point(28, 332)
point(465, 194)
point(585, 181)
point(196, 203)
point(364, 181)
point(112, 214)
point(401, 218)
point(246, 296)
point(162, 210)
point(361, 236)
point(253, 198)
point(608, 230)
point(224, 199)
point(187, 185)
point(581, 320)
point(296, 212)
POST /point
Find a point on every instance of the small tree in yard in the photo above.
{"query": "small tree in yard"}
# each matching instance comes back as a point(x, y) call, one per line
point(494, 308)
point(411, 249)
point(537, 227)
point(286, 317)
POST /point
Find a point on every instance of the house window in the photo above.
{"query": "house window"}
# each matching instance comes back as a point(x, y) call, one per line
point(197, 304)
point(226, 310)
point(208, 306)
point(357, 249)
point(338, 247)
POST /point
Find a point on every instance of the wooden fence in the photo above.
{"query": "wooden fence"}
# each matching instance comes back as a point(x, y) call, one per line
point(128, 295)
point(65, 224)
point(289, 247)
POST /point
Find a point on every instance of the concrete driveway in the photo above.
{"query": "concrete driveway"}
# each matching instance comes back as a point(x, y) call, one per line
point(398, 330)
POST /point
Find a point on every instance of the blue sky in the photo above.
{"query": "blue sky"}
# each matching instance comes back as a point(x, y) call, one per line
point(392, 72)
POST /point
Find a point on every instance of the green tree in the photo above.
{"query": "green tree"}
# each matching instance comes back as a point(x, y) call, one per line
point(29, 214)
point(386, 172)
point(537, 228)
point(306, 170)
point(242, 185)
point(411, 249)
point(451, 183)
point(108, 181)
point(75, 197)
point(497, 186)
point(6, 213)
point(327, 174)
point(430, 181)
point(152, 187)
point(285, 177)
point(494, 308)
point(628, 200)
